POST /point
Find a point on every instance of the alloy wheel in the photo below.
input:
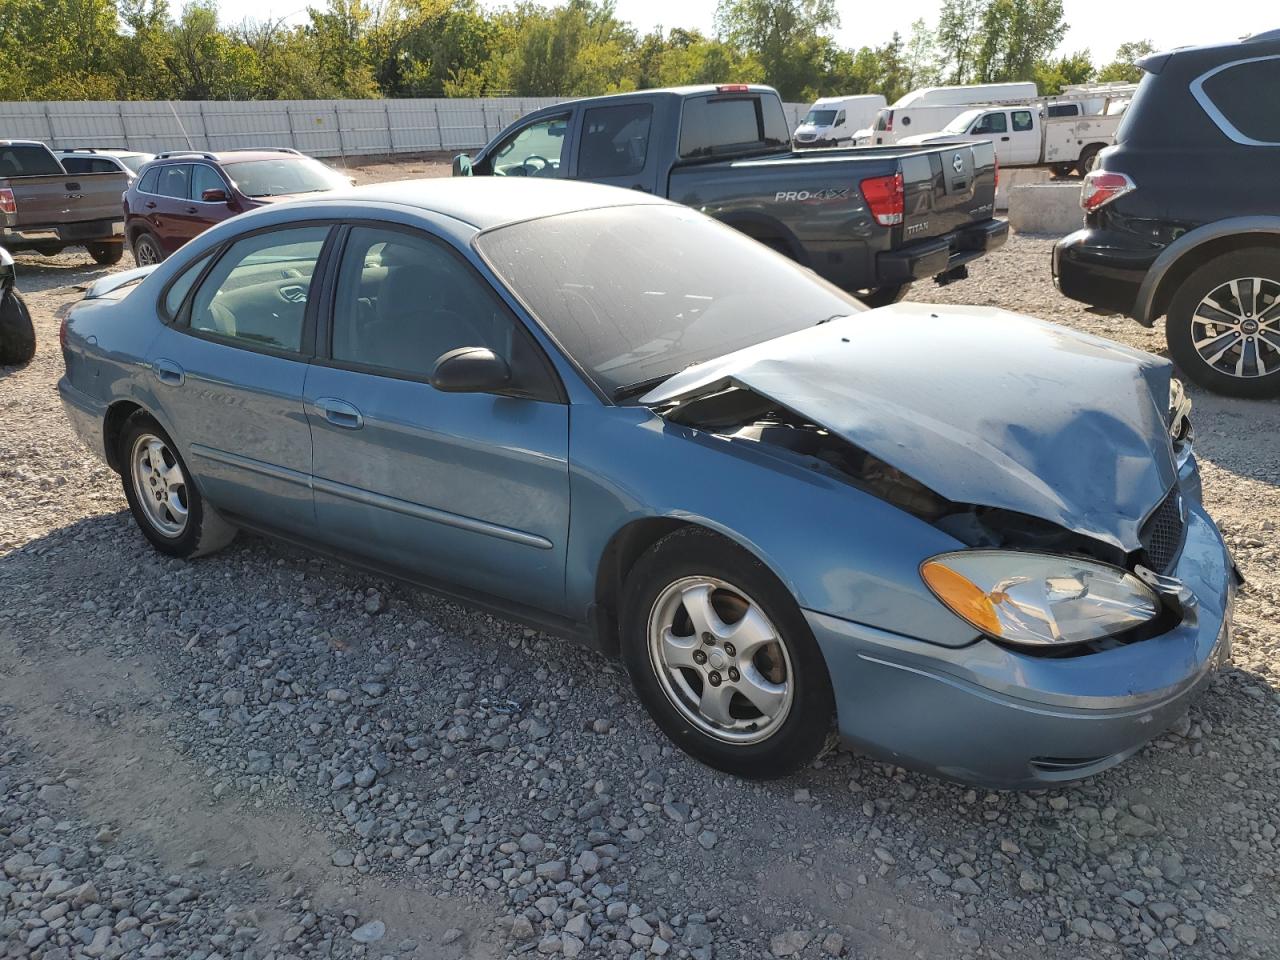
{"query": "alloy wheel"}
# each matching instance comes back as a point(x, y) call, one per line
point(159, 485)
point(720, 660)
point(145, 252)
point(1236, 327)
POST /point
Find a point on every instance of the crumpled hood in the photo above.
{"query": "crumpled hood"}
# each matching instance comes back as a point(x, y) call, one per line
point(983, 406)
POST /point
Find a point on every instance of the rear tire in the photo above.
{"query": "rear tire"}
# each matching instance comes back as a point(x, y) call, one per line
point(106, 254)
point(165, 502)
point(147, 250)
point(17, 333)
point(1088, 158)
point(1239, 336)
point(883, 296)
point(760, 711)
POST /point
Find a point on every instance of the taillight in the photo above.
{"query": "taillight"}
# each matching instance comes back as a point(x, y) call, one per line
point(7, 203)
point(1100, 187)
point(888, 126)
point(886, 198)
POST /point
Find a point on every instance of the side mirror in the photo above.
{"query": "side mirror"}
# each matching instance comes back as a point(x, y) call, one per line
point(214, 196)
point(462, 165)
point(471, 370)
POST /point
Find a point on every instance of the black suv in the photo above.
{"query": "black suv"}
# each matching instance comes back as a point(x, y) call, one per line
point(1182, 215)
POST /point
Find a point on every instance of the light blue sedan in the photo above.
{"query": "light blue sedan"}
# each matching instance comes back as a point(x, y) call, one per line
point(970, 542)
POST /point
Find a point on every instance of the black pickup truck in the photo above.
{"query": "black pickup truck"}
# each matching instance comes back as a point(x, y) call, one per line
point(869, 219)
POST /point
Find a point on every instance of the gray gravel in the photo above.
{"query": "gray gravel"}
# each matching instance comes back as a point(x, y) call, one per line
point(264, 754)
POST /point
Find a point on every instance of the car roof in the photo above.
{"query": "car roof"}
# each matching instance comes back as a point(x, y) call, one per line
point(485, 202)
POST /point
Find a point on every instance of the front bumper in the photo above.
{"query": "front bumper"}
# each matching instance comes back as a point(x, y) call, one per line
point(995, 717)
point(938, 255)
point(1103, 269)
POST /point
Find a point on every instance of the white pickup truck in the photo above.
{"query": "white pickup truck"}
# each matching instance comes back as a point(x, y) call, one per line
point(1059, 135)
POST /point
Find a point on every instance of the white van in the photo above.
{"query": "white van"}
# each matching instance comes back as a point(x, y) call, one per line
point(833, 121)
point(929, 109)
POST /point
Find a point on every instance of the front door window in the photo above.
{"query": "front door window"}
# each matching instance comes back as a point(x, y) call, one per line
point(532, 151)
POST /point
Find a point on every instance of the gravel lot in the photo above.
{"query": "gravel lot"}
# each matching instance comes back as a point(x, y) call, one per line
point(263, 754)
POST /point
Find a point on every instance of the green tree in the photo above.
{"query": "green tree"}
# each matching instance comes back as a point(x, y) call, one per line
point(921, 54)
point(791, 39)
point(340, 35)
point(575, 50)
point(1124, 68)
point(1016, 36)
point(58, 50)
point(957, 38)
point(1052, 75)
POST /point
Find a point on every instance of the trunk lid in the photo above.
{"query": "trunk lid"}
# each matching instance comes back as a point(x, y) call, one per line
point(983, 406)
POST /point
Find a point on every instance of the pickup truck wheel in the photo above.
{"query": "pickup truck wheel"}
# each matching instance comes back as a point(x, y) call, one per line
point(1223, 327)
point(883, 296)
point(1088, 158)
point(147, 250)
point(17, 333)
point(105, 254)
point(722, 658)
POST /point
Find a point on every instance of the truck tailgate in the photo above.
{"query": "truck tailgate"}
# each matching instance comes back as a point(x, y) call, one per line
point(946, 187)
point(65, 198)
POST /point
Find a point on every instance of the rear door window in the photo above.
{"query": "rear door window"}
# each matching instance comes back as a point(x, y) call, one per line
point(88, 165)
point(615, 141)
point(175, 181)
point(1021, 121)
point(1243, 99)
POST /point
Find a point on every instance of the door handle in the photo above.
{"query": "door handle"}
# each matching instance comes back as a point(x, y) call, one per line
point(1005, 139)
point(190, 210)
point(73, 185)
point(150, 204)
point(167, 371)
point(340, 413)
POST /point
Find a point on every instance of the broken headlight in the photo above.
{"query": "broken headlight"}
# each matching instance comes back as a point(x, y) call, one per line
point(1039, 599)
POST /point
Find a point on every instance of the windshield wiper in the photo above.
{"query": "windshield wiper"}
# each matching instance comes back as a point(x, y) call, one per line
point(639, 387)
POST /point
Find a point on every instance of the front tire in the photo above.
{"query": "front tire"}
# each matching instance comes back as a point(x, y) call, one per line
point(722, 658)
point(106, 254)
point(1088, 158)
point(17, 333)
point(1223, 327)
point(147, 250)
point(883, 296)
point(166, 504)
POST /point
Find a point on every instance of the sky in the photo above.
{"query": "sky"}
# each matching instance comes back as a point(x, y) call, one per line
point(1095, 25)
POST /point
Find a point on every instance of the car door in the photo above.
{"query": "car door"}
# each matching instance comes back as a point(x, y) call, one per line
point(169, 210)
point(993, 126)
point(613, 146)
point(468, 489)
point(1024, 139)
point(535, 150)
point(230, 368)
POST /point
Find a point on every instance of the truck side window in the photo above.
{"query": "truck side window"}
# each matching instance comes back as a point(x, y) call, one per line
point(839, 118)
point(991, 123)
point(532, 151)
point(1021, 121)
point(615, 141)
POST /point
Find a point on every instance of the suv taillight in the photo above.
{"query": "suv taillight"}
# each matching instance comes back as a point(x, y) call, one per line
point(7, 203)
point(1102, 186)
point(885, 198)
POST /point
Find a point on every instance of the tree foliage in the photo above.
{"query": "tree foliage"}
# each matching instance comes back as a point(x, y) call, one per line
point(144, 49)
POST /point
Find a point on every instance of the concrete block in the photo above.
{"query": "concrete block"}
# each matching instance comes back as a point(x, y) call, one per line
point(1052, 208)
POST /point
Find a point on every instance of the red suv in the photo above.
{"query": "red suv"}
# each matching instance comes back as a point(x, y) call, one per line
point(181, 194)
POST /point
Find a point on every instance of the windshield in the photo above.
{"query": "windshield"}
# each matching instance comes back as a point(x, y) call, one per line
point(273, 178)
point(636, 294)
point(820, 118)
point(134, 161)
point(961, 123)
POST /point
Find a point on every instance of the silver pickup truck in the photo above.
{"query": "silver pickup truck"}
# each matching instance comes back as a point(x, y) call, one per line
point(45, 209)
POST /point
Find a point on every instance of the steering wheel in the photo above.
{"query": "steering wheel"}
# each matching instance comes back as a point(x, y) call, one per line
point(535, 170)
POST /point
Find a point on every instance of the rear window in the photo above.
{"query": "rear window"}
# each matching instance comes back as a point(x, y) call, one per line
point(20, 161)
point(1244, 95)
point(717, 125)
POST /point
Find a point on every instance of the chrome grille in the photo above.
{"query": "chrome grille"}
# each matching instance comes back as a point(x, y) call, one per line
point(1161, 535)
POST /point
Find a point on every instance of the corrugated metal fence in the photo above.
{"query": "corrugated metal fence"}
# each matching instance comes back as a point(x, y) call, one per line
point(322, 128)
